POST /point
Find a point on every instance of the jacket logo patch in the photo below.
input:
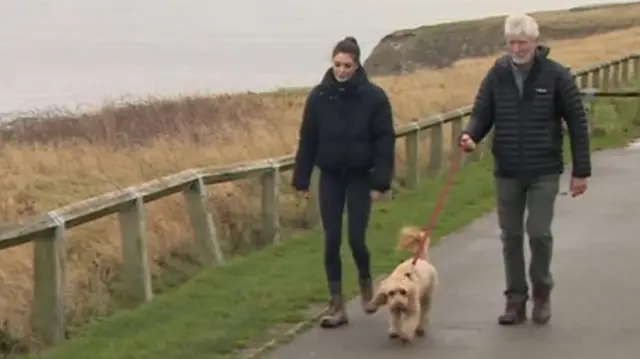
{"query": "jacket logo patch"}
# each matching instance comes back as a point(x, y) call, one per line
point(541, 90)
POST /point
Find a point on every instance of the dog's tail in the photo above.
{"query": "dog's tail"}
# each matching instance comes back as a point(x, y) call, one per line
point(410, 238)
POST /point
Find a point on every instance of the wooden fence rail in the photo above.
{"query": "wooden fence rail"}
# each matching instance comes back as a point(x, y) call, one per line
point(48, 231)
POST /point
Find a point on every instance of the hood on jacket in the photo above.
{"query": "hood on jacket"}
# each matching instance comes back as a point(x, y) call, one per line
point(350, 86)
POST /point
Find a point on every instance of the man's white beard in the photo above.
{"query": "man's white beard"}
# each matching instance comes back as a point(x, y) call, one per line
point(520, 60)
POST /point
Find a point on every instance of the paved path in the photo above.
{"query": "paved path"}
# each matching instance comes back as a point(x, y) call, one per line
point(596, 303)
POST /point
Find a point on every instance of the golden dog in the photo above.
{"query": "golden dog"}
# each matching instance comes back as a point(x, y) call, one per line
point(408, 290)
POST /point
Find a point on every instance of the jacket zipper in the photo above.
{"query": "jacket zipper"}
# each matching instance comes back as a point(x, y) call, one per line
point(520, 121)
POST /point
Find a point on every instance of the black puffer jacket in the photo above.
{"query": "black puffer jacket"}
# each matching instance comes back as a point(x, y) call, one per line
point(346, 127)
point(527, 138)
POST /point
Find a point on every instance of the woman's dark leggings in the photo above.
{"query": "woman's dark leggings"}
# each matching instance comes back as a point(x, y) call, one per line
point(335, 190)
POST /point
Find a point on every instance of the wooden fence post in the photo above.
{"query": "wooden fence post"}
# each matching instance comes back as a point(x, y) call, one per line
point(49, 282)
point(412, 149)
point(636, 77)
point(624, 76)
point(584, 80)
point(589, 101)
point(604, 84)
point(133, 233)
point(436, 148)
point(599, 77)
point(456, 130)
point(270, 205)
point(202, 223)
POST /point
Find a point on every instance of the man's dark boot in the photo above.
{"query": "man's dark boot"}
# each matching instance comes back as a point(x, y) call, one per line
point(515, 312)
point(336, 316)
point(541, 312)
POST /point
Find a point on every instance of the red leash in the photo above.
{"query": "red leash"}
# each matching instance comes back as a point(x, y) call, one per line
point(426, 232)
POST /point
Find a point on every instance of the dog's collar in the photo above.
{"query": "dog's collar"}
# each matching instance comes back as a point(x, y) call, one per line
point(411, 275)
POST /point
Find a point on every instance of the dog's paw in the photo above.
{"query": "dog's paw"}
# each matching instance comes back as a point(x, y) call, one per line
point(370, 308)
point(393, 334)
point(405, 338)
point(420, 332)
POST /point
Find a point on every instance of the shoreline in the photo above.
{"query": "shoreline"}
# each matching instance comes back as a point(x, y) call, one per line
point(69, 106)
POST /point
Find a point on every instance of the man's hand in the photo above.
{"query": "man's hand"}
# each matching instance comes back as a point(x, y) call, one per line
point(577, 186)
point(467, 144)
point(376, 195)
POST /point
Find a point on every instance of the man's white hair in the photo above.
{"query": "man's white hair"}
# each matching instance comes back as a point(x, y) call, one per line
point(521, 25)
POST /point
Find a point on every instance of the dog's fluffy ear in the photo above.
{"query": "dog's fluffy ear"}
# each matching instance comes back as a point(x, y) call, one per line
point(380, 299)
point(410, 237)
point(380, 296)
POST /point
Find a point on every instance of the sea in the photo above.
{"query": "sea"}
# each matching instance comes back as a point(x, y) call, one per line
point(77, 55)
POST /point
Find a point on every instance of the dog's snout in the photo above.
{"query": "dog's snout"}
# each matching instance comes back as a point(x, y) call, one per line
point(398, 307)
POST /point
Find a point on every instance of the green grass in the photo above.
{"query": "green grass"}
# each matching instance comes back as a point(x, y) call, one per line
point(224, 310)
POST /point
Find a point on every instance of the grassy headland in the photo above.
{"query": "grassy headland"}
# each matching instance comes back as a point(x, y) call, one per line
point(440, 45)
point(51, 163)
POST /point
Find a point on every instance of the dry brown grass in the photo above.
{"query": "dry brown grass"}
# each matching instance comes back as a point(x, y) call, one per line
point(55, 163)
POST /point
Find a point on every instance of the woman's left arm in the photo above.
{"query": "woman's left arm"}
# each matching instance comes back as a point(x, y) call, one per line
point(384, 144)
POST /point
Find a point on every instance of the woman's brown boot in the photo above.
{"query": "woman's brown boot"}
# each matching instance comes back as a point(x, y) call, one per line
point(366, 294)
point(336, 315)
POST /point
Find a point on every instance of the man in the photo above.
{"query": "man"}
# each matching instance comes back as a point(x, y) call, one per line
point(523, 97)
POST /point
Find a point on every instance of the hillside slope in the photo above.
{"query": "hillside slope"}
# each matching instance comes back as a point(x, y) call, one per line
point(440, 45)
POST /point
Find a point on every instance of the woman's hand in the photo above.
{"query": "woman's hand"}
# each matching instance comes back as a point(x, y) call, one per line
point(304, 194)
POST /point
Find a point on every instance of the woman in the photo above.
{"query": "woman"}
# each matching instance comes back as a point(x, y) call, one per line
point(347, 132)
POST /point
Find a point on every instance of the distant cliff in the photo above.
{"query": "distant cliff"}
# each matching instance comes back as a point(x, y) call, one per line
point(440, 45)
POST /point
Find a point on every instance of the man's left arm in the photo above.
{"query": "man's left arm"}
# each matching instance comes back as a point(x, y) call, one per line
point(384, 144)
point(573, 112)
